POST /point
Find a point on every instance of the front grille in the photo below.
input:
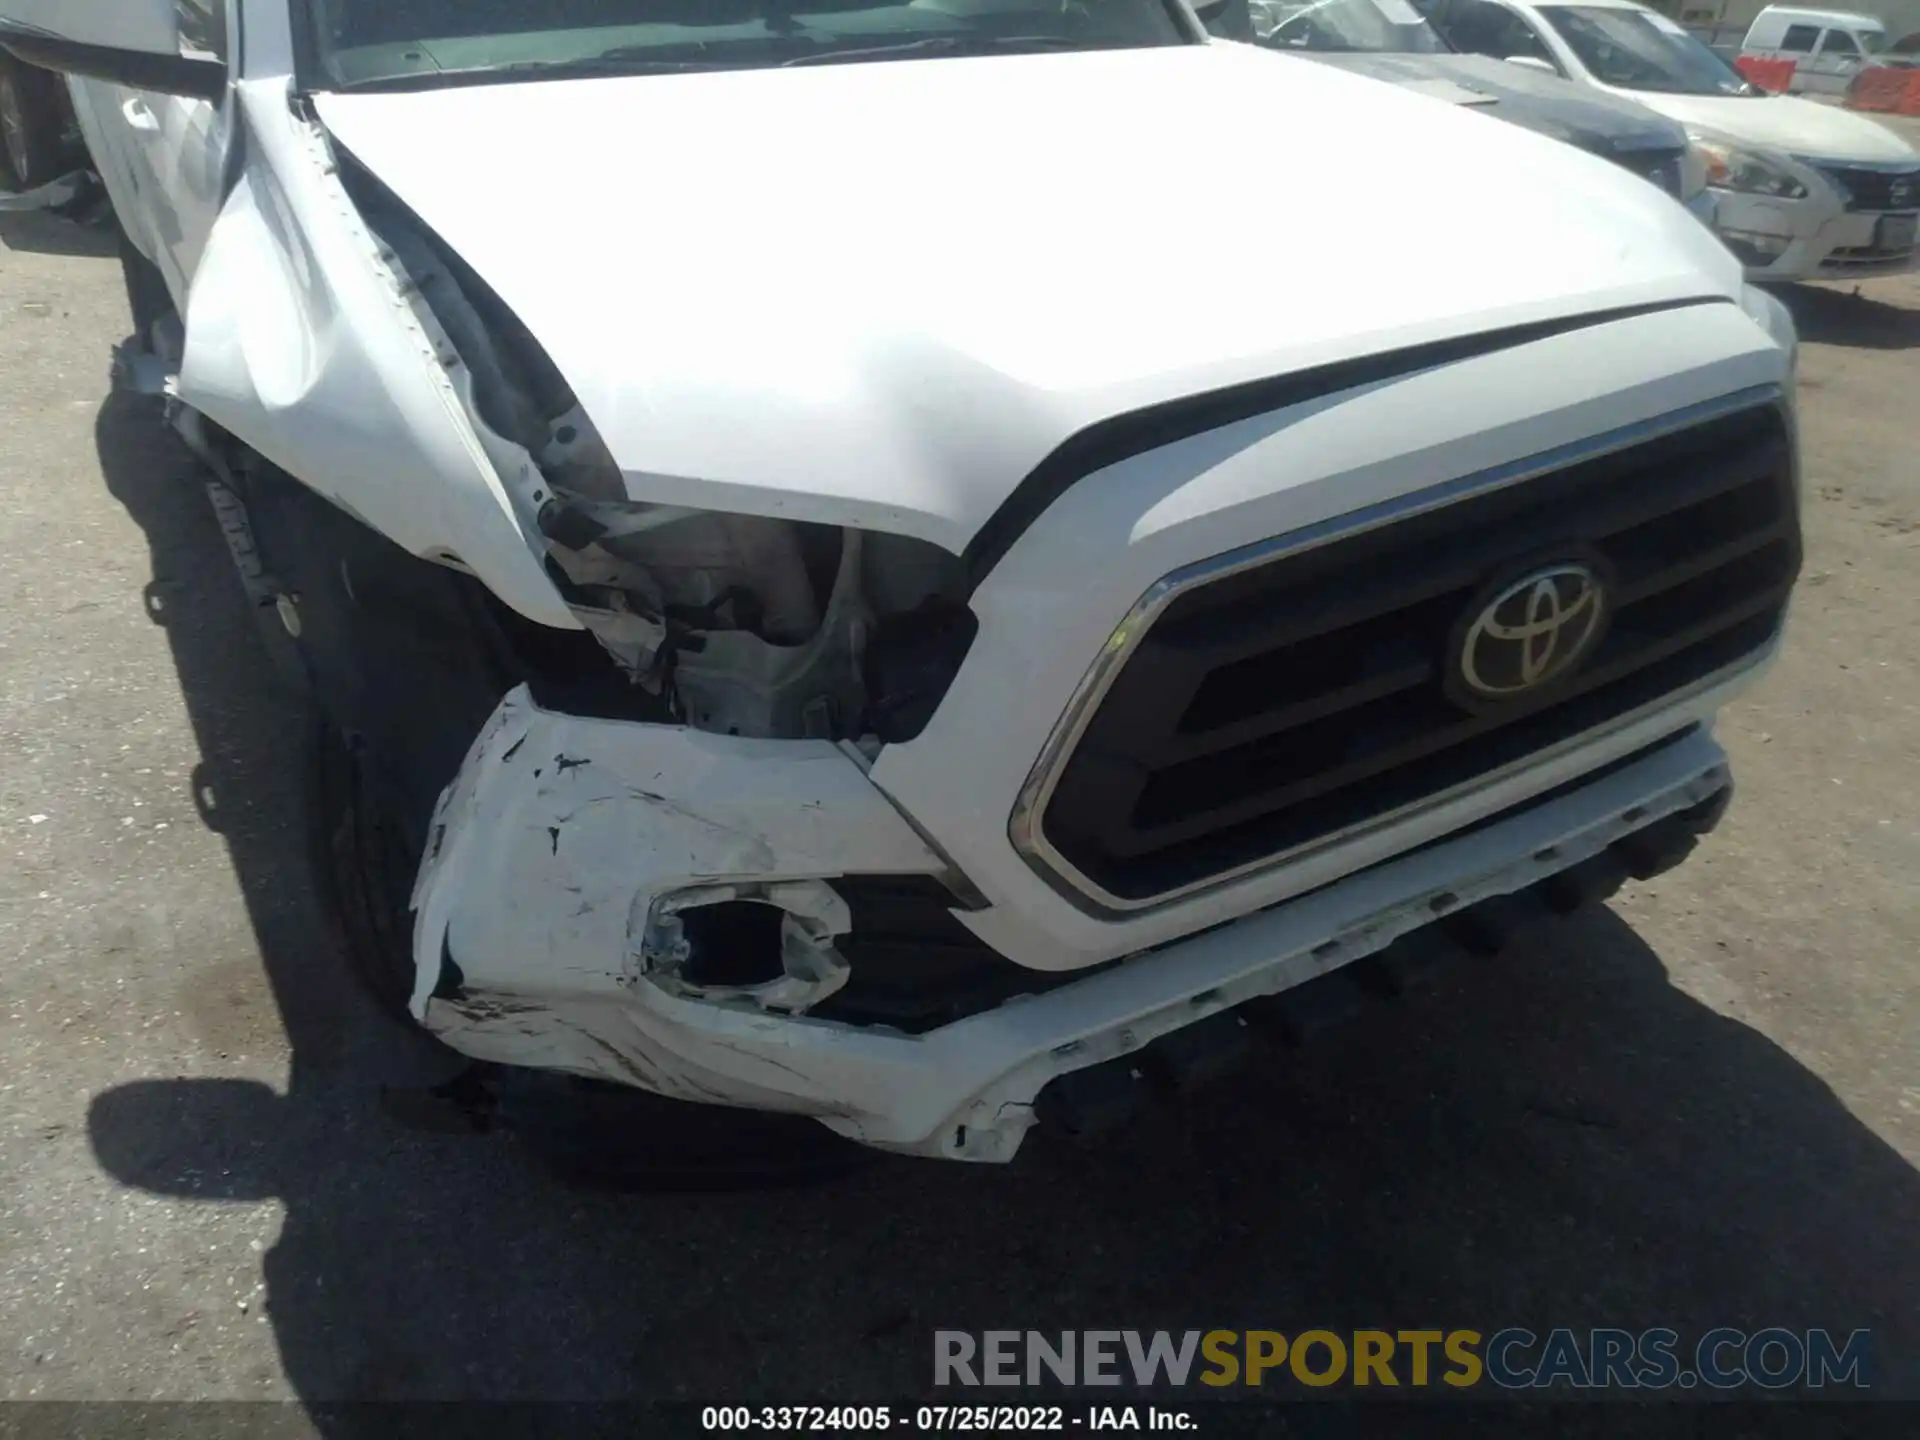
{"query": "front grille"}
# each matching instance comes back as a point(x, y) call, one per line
point(1662, 167)
point(1877, 189)
point(1843, 257)
point(1283, 703)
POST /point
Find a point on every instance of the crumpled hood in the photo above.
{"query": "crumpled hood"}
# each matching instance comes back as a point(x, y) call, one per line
point(1591, 119)
point(1787, 124)
point(879, 294)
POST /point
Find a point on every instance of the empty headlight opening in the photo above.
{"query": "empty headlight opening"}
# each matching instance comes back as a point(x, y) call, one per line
point(738, 624)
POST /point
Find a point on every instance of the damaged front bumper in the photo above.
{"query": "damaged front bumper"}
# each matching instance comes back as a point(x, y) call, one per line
point(566, 857)
point(1814, 238)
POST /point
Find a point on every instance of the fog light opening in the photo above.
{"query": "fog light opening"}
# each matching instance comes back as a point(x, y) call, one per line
point(766, 944)
point(734, 943)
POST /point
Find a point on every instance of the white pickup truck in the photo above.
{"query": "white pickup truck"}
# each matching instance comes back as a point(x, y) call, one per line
point(919, 563)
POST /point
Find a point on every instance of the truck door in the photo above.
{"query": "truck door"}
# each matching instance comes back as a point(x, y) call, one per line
point(1835, 63)
point(163, 158)
point(1797, 45)
point(176, 150)
point(107, 147)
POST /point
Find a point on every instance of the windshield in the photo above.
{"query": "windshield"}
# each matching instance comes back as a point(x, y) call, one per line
point(1872, 41)
point(411, 44)
point(1637, 50)
point(1391, 27)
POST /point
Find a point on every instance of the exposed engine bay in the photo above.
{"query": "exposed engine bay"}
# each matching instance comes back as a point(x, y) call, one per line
point(738, 624)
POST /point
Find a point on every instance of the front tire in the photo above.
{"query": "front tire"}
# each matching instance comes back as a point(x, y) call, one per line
point(364, 866)
point(397, 662)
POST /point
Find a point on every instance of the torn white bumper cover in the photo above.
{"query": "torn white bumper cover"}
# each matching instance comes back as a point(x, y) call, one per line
point(546, 931)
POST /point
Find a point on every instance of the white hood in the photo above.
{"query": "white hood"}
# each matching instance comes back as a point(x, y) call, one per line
point(879, 294)
point(1785, 123)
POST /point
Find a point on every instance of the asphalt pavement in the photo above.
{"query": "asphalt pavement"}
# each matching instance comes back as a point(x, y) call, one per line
point(1698, 1108)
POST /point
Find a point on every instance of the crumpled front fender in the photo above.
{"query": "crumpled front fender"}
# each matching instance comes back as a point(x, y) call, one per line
point(303, 341)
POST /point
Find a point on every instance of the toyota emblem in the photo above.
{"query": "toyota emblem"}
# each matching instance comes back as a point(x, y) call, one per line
point(1522, 636)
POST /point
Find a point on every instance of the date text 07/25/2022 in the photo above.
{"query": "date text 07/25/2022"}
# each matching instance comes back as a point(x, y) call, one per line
point(983, 1419)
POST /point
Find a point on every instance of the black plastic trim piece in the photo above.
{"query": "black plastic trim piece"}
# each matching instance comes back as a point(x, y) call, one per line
point(136, 69)
point(916, 966)
point(1112, 440)
point(1084, 1104)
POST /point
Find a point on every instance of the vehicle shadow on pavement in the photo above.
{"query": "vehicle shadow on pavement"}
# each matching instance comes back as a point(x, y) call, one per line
point(1825, 315)
point(1556, 1137)
point(42, 232)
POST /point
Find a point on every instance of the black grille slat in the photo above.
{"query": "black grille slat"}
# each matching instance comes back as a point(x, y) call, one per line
point(1635, 587)
point(1276, 722)
point(915, 965)
point(1878, 189)
point(1284, 702)
point(1250, 688)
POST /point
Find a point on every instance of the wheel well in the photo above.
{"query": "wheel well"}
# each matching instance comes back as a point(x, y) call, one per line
point(148, 299)
point(404, 657)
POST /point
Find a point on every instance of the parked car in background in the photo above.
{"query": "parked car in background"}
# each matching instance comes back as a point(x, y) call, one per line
point(1805, 191)
point(1390, 40)
point(39, 141)
point(1828, 47)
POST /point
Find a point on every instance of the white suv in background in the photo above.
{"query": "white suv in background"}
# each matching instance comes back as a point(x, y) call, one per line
point(1806, 191)
point(821, 606)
